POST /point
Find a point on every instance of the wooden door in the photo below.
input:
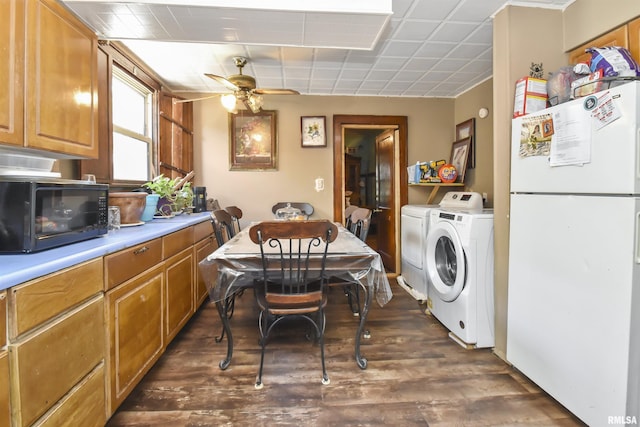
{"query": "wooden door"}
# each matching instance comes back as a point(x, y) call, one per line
point(385, 199)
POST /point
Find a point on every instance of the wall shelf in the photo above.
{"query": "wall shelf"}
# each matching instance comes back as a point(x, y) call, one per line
point(435, 186)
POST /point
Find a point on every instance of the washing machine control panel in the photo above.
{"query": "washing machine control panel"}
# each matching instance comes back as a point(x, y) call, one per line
point(461, 200)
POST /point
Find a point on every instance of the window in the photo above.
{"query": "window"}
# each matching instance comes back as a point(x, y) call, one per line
point(132, 144)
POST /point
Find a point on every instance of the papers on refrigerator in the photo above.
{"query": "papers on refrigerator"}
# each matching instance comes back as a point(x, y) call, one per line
point(571, 142)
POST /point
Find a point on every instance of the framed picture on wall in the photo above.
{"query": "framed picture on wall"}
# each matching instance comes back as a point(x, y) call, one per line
point(464, 130)
point(313, 131)
point(460, 156)
point(253, 140)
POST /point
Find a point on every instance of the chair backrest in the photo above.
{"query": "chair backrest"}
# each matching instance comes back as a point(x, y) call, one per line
point(347, 215)
point(360, 222)
point(293, 260)
point(305, 208)
point(236, 214)
point(222, 226)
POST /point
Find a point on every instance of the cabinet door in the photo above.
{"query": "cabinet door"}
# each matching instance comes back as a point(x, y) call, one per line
point(617, 37)
point(135, 331)
point(179, 291)
point(11, 72)
point(5, 408)
point(201, 250)
point(634, 38)
point(49, 363)
point(61, 81)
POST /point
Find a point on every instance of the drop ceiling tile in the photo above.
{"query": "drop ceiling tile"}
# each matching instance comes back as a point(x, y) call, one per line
point(415, 30)
point(452, 32)
point(426, 48)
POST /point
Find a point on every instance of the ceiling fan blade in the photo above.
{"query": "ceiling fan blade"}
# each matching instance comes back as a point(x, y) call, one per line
point(223, 81)
point(276, 92)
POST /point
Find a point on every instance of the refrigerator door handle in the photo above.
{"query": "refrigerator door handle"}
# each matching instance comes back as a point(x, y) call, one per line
point(637, 254)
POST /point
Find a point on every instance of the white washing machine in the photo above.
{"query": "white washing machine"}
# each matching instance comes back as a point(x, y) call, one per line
point(460, 273)
point(414, 227)
point(414, 224)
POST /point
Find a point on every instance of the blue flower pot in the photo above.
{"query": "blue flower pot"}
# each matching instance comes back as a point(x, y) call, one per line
point(150, 208)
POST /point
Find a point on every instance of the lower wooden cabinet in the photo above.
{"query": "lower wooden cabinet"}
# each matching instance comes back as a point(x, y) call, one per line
point(47, 365)
point(5, 406)
point(201, 249)
point(135, 330)
point(179, 291)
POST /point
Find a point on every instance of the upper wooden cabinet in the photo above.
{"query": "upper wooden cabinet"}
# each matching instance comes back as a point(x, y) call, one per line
point(633, 28)
point(617, 37)
point(48, 67)
point(12, 72)
point(176, 136)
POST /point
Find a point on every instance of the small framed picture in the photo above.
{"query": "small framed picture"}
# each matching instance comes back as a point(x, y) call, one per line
point(464, 130)
point(313, 131)
point(460, 156)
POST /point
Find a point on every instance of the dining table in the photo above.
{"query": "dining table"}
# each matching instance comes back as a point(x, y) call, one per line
point(235, 266)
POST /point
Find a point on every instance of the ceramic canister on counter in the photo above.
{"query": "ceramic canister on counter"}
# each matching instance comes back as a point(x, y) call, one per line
point(199, 199)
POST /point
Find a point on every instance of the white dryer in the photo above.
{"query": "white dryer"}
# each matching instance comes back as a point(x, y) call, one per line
point(460, 273)
point(414, 224)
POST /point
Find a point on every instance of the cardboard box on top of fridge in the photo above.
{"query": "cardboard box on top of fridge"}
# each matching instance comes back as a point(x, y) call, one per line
point(531, 96)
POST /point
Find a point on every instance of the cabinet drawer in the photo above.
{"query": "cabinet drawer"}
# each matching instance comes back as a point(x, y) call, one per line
point(48, 364)
point(202, 230)
point(34, 302)
point(175, 242)
point(89, 395)
point(130, 262)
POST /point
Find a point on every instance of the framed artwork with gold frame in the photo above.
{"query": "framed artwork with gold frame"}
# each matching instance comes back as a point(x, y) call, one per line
point(253, 140)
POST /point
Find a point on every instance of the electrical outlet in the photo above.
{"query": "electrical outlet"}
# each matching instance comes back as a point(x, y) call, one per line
point(319, 184)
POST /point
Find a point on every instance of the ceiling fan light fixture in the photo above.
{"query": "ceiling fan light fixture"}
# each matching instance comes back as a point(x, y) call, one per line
point(255, 103)
point(229, 102)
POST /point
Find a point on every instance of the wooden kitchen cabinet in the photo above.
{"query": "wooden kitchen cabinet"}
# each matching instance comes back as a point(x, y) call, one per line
point(5, 405)
point(179, 269)
point(12, 72)
point(135, 320)
point(61, 81)
point(49, 365)
point(56, 343)
point(48, 73)
point(204, 244)
point(617, 37)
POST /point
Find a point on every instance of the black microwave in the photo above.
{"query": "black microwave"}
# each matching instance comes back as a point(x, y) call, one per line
point(38, 214)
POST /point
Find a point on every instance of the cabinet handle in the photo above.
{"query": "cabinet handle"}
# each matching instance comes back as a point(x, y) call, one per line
point(141, 250)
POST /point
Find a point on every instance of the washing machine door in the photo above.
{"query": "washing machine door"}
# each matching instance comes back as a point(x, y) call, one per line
point(446, 261)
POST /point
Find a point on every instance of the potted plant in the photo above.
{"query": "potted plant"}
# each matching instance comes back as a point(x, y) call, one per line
point(164, 187)
point(175, 195)
point(183, 198)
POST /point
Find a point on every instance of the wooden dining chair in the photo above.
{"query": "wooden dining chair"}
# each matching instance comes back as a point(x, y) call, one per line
point(305, 208)
point(347, 215)
point(292, 283)
point(236, 214)
point(222, 226)
point(360, 222)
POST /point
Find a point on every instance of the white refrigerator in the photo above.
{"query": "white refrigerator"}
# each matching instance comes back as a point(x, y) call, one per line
point(574, 254)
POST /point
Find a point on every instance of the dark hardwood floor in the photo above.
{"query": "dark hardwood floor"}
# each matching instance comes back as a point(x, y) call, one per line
point(417, 376)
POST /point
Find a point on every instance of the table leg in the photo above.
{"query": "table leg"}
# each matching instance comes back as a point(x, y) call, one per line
point(368, 298)
point(226, 328)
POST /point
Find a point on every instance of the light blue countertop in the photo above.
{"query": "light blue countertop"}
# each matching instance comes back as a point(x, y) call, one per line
point(18, 268)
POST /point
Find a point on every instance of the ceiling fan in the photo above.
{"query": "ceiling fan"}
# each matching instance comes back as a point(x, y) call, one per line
point(244, 88)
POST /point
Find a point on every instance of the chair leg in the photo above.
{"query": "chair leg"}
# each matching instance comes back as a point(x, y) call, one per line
point(262, 322)
point(325, 377)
